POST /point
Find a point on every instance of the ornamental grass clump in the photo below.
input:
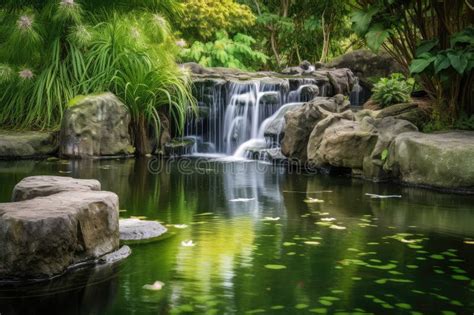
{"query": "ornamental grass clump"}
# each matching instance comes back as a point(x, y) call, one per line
point(52, 51)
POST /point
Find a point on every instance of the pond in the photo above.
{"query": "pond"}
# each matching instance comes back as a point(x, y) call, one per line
point(266, 240)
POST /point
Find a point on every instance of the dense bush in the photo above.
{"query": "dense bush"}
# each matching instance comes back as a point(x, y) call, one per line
point(51, 51)
point(226, 52)
point(431, 39)
point(393, 90)
point(201, 19)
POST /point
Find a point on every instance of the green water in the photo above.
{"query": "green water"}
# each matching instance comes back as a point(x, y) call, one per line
point(393, 256)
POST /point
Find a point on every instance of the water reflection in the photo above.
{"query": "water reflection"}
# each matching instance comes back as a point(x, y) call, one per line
point(406, 252)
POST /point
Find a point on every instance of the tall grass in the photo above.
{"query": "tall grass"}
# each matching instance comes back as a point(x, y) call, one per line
point(51, 51)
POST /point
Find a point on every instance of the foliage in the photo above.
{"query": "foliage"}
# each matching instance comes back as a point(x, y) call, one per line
point(393, 90)
point(77, 48)
point(293, 31)
point(202, 18)
point(465, 122)
point(432, 39)
point(226, 52)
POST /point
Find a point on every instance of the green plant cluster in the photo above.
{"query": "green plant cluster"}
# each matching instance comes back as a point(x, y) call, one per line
point(432, 40)
point(52, 51)
point(393, 90)
point(228, 52)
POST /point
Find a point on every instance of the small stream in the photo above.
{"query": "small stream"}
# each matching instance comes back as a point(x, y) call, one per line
point(267, 242)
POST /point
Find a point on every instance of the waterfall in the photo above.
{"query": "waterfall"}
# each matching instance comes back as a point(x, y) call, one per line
point(233, 115)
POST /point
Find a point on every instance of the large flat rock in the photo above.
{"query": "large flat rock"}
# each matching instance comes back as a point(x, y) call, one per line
point(27, 144)
point(444, 160)
point(42, 237)
point(40, 186)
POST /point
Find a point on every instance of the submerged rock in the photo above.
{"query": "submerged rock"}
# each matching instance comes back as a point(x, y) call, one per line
point(40, 186)
point(27, 144)
point(44, 236)
point(444, 160)
point(94, 126)
point(136, 230)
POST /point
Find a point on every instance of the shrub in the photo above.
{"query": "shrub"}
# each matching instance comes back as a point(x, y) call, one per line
point(393, 90)
point(228, 52)
point(52, 51)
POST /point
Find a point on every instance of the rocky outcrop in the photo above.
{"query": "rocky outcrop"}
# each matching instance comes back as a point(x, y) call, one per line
point(412, 112)
point(443, 160)
point(299, 124)
point(27, 144)
point(340, 80)
point(45, 236)
point(340, 142)
point(387, 129)
point(94, 126)
point(40, 186)
point(137, 230)
point(366, 65)
point(380, 145)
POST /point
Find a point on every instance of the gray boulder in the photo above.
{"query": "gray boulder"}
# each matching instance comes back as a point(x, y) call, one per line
point(388, 128)
point(44, 236)
point(340, 142)
point(40, 186)
point(366, 65)
point(95, 125)
point(27, 144)
point(444, 160)
point(136, 230)
point(299, 124)
point(407, 111)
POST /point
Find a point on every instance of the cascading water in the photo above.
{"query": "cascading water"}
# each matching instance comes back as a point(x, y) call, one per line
point(233, 115)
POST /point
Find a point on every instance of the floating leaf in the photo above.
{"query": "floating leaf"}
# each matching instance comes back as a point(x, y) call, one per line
point(460, 278)
point(313, 200)
point(437, 257)
point(325, 302)
point(301, 306)
point(156, 286)
point(311, 243)
point(289, 244)
point(189, 243)
point(337, 227)
point(277, 307)
point(275, 267)
point(403, 306)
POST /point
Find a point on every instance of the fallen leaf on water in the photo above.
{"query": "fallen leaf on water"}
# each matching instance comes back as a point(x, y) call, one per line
point(337, 227)
point(189, 243)
point(311, 243)
point(271, 219)
point(469, 242)
point(180, 226)
point(275, 267)
point(374, 196)
point(158, 285)
point(313, 200)
point(328, 219)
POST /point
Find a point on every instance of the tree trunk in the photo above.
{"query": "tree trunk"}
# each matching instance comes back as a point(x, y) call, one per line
point(140, 132)
point(274, 48)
